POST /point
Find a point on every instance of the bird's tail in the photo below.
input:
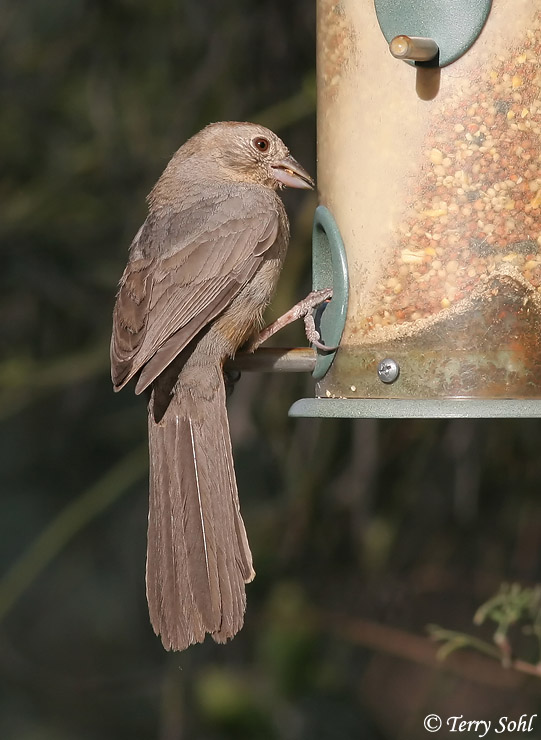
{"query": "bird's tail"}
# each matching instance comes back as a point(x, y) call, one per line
point(198, 557)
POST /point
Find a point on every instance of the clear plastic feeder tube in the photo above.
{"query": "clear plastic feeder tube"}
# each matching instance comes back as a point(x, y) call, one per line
point(434, 179)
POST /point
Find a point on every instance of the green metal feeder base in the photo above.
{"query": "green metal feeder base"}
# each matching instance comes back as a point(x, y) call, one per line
point(393, 408)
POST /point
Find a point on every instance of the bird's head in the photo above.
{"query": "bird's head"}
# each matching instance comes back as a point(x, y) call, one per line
point(248, 152)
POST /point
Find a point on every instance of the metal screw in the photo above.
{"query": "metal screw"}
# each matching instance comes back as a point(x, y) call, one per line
point(388, 370)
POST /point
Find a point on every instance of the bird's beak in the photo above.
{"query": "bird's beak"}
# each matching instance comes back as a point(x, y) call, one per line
point(289, 172)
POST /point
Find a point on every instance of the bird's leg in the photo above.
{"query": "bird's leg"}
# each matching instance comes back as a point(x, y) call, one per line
point(302, 309)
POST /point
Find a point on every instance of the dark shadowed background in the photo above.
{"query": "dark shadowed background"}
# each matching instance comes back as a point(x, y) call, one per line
point(362, 532)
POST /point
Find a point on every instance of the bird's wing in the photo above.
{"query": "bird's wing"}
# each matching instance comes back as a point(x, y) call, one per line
point(183, 271)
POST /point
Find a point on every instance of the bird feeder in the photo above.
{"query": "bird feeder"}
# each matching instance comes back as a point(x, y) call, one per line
point(429, 228)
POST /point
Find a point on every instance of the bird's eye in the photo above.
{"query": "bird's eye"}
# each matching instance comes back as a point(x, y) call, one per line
point(261, 143)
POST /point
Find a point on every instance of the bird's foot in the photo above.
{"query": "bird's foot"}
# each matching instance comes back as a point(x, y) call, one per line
point(302, 309)
point(313, 335)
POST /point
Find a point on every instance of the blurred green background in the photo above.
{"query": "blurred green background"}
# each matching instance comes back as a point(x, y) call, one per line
point(362, 532)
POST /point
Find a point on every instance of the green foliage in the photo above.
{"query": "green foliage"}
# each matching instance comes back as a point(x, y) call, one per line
point(513, 606)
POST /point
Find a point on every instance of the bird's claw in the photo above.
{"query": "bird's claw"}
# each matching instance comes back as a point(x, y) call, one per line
point(314, 336)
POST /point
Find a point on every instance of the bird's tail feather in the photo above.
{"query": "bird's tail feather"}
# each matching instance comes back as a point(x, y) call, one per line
point(198, 557)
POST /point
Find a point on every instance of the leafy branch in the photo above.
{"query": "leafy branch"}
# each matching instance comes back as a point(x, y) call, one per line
point(513, 606)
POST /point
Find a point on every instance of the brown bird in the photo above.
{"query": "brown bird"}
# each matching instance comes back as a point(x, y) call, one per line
point(200, 273)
